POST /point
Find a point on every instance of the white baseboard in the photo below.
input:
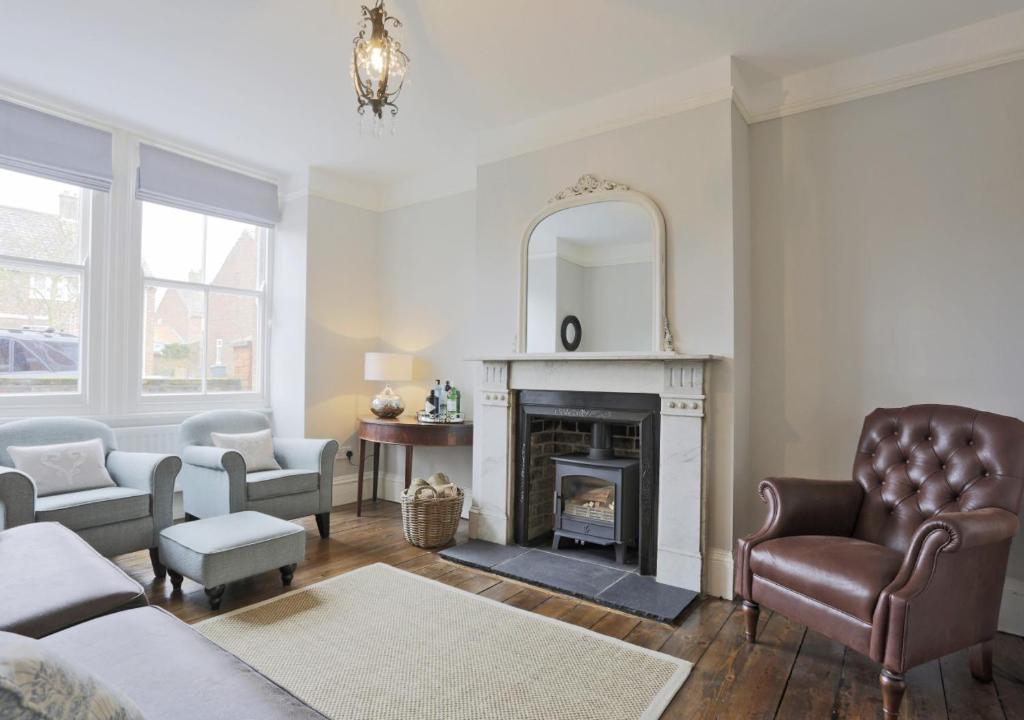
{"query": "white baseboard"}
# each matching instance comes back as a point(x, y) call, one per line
point(390, 487)
point(719, 573)
point(1011, 611)
point(345, 486)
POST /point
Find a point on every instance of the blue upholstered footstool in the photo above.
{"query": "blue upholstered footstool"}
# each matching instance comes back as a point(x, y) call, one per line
point(217, 550)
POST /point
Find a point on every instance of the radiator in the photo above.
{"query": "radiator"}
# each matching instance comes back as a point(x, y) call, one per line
point(152, 438)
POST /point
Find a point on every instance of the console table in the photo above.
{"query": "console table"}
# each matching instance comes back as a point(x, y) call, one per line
point(406, 432)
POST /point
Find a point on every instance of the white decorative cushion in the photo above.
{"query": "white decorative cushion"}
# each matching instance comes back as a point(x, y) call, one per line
point(256, 448)
point(67, 467)
point(36, 684)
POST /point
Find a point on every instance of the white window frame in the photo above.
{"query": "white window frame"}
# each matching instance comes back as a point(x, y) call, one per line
point(190, 402)
point(110, 380)
point(92, 278)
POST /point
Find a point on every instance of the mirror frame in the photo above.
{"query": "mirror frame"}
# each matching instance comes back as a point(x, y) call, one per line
point(591, 189)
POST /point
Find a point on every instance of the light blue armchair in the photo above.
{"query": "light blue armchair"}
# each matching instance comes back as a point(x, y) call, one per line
point(114, 520)
point(214, 481)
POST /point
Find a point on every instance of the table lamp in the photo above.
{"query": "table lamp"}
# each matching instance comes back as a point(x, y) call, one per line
point(389, 367)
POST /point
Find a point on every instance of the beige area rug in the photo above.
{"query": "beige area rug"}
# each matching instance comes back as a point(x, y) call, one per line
point(385, 644)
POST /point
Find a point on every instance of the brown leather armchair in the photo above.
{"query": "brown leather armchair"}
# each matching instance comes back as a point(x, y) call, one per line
point(905, 563)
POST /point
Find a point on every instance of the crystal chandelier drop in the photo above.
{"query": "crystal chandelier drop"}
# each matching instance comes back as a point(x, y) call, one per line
point(378, 64)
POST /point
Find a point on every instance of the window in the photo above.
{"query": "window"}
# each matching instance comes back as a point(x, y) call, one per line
point(133, 278)
point(204, 286)
point(45, 230)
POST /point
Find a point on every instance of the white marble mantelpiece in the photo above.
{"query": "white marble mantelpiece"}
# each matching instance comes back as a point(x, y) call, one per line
point(679, 380)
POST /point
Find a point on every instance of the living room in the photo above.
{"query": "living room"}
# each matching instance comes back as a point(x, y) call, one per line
point(615, 359)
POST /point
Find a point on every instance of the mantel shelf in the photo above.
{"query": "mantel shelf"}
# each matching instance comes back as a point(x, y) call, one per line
point(584, 356)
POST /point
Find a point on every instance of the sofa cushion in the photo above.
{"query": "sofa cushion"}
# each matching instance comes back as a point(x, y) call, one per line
point(841, 572)
point(275, 483)
point(89, 508)
point(65, 467)
point(37, 683)
point(52, 579)
point(171, 671)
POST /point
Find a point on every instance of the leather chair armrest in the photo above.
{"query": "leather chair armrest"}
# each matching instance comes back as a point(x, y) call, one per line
point(950, 582)
point(310, 454)
point(799, 506)
point(150, 472)
point(214, 458)
point(17, 498)
point(951, 532)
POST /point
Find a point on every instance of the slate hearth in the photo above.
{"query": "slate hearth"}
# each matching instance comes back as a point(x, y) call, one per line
point(589, 578)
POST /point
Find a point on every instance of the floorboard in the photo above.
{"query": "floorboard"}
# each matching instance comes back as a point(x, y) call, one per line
point(789, 673)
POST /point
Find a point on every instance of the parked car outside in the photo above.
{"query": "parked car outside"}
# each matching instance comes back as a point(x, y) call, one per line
point(34, 359)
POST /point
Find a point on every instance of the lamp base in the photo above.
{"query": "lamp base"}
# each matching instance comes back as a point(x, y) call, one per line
point(387, 404)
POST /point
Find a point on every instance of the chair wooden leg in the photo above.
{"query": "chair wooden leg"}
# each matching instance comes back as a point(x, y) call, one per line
point(323, 524)
point(751, 611)
point(287, 572)
point(981, 661)
point(176, 579)
point(893, 688)
point(158, 567)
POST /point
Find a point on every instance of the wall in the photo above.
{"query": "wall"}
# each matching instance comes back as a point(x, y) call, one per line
point(887, 264)
point(288, 319)
point(342, 317)
point(426, 282)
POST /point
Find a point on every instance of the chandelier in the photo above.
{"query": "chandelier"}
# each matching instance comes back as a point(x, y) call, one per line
point(378, 63)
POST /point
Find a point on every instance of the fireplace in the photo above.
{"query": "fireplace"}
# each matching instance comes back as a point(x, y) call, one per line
point(587, 471)
point(654, 406)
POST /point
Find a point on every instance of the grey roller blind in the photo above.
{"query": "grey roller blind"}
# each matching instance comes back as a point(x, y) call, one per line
point(52, 147)
point(183, 182)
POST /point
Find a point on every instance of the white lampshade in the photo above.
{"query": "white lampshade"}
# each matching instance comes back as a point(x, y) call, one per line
point(388, 367)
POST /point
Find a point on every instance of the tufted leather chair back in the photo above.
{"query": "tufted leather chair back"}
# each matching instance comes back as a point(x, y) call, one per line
point(921, 460)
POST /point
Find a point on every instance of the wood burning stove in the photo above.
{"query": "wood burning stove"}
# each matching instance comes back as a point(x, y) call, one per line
point(596, 496)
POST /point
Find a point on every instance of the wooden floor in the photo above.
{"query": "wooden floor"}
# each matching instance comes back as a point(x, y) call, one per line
point(789, 673)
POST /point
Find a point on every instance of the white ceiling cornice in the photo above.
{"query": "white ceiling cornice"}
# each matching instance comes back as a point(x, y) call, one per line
point(966, 49)
point(692, 88)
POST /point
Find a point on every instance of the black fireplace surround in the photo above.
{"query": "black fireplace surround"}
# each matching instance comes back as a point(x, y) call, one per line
point(636, 409)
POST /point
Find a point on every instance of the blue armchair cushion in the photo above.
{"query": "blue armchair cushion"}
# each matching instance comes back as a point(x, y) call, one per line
point(197, 429)
point(256, 448)
point(275, 483)
point(64, 467)
point(52, 431)
point(89, 508)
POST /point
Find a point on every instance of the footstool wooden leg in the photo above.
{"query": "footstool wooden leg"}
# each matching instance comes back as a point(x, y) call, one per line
point(287, 572)
point(215, 594)
point(176, 579)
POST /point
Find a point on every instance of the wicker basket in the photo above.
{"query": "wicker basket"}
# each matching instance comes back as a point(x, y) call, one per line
point(430, 522)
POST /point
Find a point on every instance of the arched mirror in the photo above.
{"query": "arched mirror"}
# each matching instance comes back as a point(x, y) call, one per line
point(593, 270)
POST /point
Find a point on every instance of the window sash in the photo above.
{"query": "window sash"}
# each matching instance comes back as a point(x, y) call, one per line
point(83, 271)
point(261, 321)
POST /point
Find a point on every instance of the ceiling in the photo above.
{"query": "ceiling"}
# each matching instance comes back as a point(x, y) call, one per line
point(266, 82)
